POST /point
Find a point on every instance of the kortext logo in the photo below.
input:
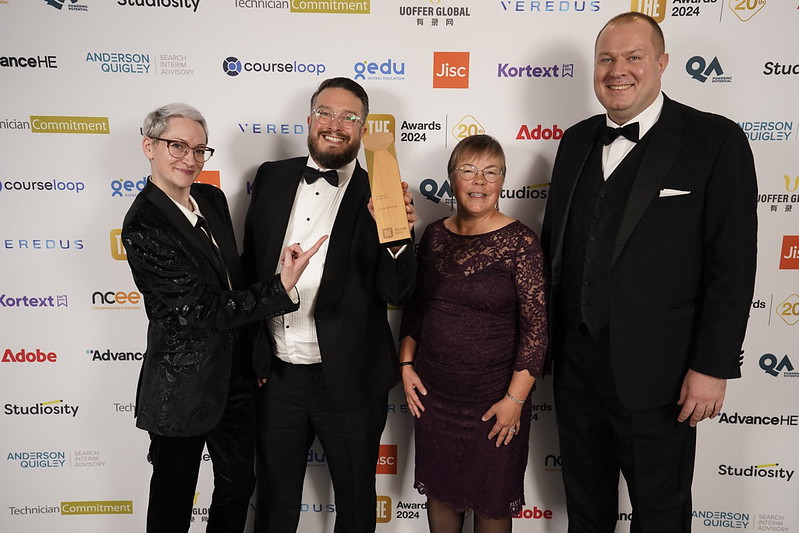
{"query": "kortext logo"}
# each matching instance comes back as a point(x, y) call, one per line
point(506, 70)
point(451, 70)
point(58, 300)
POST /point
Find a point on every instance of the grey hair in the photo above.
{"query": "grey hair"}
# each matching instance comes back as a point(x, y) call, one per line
point(156, 121)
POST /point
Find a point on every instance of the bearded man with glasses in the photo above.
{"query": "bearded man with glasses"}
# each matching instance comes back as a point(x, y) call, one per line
point(327, 370)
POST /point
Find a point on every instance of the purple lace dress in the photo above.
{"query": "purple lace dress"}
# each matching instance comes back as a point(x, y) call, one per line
point(478, 315)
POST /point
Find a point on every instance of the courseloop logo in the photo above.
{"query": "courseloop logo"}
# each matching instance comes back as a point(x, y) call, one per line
point(769, 471)
point(51, 408)
point(28, 356)
point(28, 301)
point(54, 185)
point(381, 70)
point(777, 366)
point(550, 6)
point(701, 70)
point(233, 66)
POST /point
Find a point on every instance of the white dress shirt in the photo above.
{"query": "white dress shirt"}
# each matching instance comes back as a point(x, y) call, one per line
point(615, 152)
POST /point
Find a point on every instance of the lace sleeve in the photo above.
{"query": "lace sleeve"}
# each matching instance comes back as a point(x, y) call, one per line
point(531, 298)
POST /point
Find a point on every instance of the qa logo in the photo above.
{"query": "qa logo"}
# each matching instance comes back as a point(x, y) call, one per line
point(772, 365)
point(232, 66)
point(699, 70)
point(58, 4)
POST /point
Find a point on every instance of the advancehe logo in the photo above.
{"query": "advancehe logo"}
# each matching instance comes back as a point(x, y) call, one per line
point(451, 70)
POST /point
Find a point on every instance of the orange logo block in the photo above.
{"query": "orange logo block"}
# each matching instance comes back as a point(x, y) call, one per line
point(451, 70)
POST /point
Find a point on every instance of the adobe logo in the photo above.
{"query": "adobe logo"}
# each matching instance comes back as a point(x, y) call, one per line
point(450, 70)
point(387, 460)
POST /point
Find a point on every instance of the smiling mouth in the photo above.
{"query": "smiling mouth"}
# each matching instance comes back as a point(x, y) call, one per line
point(333, 139)
point(619, 87)
point(477, 195)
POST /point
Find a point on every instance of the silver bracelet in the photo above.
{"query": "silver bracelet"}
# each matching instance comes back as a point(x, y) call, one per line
point(509, 395)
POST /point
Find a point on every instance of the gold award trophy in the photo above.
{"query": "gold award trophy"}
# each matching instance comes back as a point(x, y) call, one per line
point(387, 196)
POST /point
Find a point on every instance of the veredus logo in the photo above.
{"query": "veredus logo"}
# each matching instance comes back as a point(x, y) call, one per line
point(765, 471)
point(388, 70)
point(97, 507)
point(724, 519)
point(759, 420)
point(767, 131)
point(352, 7)
point(773, 366)
point(700, 69)
point(271, 128)
point(788, 309)
point(232, 66)
point(58, 300)
point(63, 124)
point(789, 255)
point(118, 62)
point(42, 186)
point(535, 514)
point(43, 244)
point(125, 188)
point(110, 356)
point(387, 461)
point(383, 515)
point(654, 8)
point(73, 5)
point(55, 407)
point(539, 133)
point(41, 459)
point(451, 70)
point(317, 507)
point(28, 62)
point(185, 4)
point(506, 70)
point(116, 300)
point(550, 6)
point(24, 356)
point(746, 9)
point(316, 458)
point(774, 68)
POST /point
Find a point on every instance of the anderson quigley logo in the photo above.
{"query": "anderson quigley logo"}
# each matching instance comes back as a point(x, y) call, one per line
point(776, 130)
point(550, 6)
point(114, 62)
point(233, 66)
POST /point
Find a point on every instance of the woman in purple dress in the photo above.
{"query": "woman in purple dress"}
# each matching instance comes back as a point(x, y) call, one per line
point(473, 343)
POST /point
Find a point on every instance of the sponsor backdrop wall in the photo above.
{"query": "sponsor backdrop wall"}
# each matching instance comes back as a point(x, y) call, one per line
point(78, 77)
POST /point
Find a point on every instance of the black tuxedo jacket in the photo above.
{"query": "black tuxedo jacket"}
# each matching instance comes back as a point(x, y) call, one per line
point(683, 265)
point(192, 315)
point(360, 277)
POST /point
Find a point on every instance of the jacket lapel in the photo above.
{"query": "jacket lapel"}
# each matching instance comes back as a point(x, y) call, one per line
point(225, 241)
point(280, 193)
point(663, 148)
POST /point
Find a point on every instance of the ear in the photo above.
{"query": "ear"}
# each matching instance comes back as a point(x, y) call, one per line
point(663, 62)
point(147, 146)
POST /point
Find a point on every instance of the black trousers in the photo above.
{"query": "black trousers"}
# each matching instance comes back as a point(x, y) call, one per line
point(176, 464)
point(293, 408)
point(599, 438)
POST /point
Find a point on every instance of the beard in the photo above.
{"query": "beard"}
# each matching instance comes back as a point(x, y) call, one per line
point(332, 160)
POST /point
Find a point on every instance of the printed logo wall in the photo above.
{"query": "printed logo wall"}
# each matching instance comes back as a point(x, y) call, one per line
point(72, 321)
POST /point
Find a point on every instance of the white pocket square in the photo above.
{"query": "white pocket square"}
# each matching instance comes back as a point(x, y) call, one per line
point(672, 192)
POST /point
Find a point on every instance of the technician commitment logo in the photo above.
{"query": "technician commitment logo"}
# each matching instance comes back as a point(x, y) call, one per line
point(354, 7)
point(61, 124)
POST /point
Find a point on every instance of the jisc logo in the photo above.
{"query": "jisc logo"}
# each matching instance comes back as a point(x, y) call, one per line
point(451, 70)
point(387, 461)
point(789, 258)
point(211, 177)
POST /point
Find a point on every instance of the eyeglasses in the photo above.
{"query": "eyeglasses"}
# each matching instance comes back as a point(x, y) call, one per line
point(325, 117)
point(179, 149)
point(469, 172)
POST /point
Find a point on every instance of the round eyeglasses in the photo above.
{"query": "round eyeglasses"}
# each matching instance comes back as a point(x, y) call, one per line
point(179, 149)
point(325, 117)
point(491, 174)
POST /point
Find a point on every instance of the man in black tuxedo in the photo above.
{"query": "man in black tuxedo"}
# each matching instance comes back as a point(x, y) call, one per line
point(651, 230)
point(326, 371)
point(196, 384)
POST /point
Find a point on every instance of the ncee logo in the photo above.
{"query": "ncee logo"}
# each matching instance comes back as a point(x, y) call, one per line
point(387, 461)
point(24, 356)
point(450, 70)
point(116, 300)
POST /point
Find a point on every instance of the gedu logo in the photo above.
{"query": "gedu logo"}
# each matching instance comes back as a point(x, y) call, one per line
point(384, 70)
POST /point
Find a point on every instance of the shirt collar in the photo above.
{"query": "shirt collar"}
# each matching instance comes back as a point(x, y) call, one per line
point(645, 119)
point(344, 173)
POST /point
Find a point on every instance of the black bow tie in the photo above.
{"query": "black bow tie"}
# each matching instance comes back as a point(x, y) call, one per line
point(311, 175)
point(630, 131)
